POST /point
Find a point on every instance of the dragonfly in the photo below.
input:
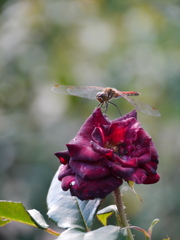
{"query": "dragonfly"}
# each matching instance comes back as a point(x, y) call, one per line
point(103, 95)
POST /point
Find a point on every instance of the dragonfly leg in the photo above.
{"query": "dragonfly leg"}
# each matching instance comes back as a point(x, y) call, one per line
point(101, 105)
point(116, 107)
point(106, 107)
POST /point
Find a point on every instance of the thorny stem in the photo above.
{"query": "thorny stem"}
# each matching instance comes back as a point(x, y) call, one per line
point(123, 219)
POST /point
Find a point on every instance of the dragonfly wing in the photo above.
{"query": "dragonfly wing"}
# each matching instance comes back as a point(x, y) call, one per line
point(84, 92)
point(143, 107)
point(60, 89)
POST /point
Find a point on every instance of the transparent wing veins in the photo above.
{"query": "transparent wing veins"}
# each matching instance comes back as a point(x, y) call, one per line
point(84, 92)
point(91, 91)
point(143, 107)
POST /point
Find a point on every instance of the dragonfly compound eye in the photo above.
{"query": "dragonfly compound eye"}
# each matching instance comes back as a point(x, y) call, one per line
point(101, 97)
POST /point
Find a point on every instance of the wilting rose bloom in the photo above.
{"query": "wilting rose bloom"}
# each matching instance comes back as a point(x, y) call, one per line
point(104, 153)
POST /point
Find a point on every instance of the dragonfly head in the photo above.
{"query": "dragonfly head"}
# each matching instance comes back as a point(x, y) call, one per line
point(101, 97)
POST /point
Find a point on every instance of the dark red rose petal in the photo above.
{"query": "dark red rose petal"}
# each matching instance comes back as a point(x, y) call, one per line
point(82, 152)
point(88, 170)
point(96, 119)
point(98, 136)
point(65, 170)
point(152, 179)
point(63, 156)
point(90, 189)
point(138, 176)
point(125, 130)
point(104, 153)
point(132, 114)
point(67, 182)
point(126, 162)
point(119, 171)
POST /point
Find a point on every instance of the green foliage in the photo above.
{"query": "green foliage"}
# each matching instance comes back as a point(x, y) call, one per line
point(78, 216)
point(147, 234)
point(3, 222)
point(154, 222)
point(106, 212)
point(67, 211)
point(77, 220)
point(12, 211)
point(104, 233)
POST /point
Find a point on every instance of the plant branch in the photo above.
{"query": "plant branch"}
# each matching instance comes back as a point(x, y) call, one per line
point(123, 219)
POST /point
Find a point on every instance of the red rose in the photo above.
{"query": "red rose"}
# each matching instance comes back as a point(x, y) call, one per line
point(104, 153)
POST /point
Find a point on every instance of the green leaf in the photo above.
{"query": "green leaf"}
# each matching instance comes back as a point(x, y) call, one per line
point(146, 234)
point(103, 217)
point(74, 233)
point(38, 218)
point(106, 212)
point(3, 222)
point(131, 185)
point(67, 211)
point(14, 211)
point(104, 233)
point(154, 222)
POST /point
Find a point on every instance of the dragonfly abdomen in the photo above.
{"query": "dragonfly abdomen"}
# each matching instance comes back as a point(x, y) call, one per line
point(131, 93)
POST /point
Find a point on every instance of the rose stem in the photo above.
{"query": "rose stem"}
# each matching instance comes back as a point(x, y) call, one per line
point(122, 214)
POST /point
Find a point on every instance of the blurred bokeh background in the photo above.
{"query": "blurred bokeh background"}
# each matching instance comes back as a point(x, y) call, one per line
point(129, 45)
